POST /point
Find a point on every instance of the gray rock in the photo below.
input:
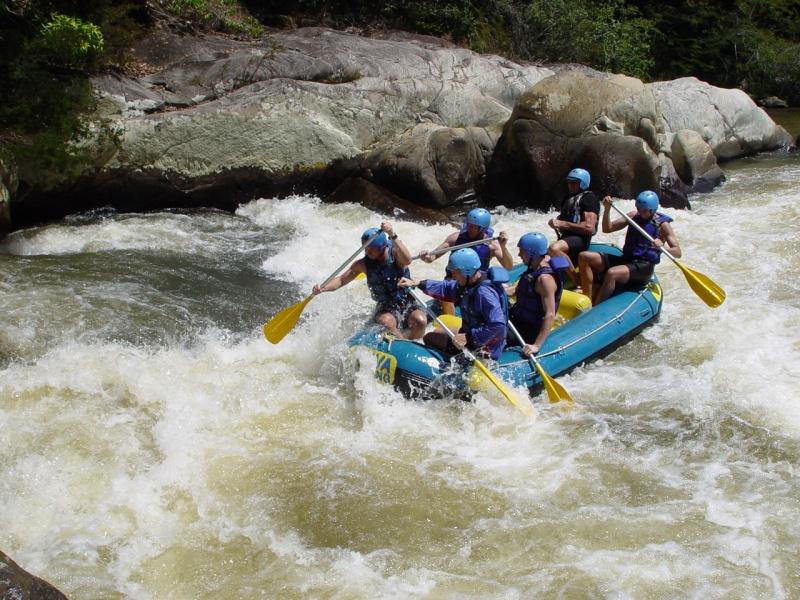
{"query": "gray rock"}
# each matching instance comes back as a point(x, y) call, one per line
point(431, 165)
point(17, 584)
point(607, 124)
point(218, 121)
point(727, 119)
point(695, 162)
point(8, 188)
point(582, 118)
point(773, 102)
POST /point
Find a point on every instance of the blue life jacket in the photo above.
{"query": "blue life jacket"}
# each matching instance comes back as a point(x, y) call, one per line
point(529, 308)
point(637, 246)
point(471, 318)
point(382, 278)
point(482, 249)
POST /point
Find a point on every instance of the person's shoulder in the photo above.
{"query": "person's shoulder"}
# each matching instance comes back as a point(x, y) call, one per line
point(590, 199)
point(452, 237)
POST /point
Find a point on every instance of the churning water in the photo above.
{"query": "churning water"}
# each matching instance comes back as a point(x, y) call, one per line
point(154, 445)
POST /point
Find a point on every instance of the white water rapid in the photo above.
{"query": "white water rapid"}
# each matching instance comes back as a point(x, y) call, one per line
point(155, 446)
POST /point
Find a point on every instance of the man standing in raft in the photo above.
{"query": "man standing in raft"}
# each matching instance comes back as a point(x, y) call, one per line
point(577, 222)
point(483, 304)
point(475, 227)
point(386, 262)
point(639, 256)
point(538, 292)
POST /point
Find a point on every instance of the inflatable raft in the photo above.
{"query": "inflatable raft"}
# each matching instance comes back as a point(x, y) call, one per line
point(579, 335)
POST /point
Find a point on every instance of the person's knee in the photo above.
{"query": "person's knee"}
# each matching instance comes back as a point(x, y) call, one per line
point(432, 339)
point(618, 274)
point(557, 247)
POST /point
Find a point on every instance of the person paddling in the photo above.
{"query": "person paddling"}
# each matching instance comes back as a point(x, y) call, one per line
point(476, 227)
point(639, 255)
point(482, 300)
point(538, 292)
point(385, 263)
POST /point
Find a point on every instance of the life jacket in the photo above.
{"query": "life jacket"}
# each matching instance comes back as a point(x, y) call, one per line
point(382, 278)
point(471, 318)
point(484, 253)
point(529, 308)
point(637, 246)
point(571, 209)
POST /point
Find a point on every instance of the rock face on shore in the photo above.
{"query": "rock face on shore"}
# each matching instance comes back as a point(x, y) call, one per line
point(17, 584)
point(218, 121)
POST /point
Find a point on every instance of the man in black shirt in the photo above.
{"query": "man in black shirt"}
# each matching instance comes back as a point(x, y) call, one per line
point(577, 221)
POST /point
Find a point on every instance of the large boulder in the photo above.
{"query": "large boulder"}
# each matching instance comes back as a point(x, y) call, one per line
point(666, 136)
point(607, 124)
point(431, 165)
point(220, 121)
point(727, 119)
point(694, 161)
point(17, 584)
point(216, 121)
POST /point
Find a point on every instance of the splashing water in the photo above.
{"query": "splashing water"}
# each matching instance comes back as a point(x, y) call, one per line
point(155, 446)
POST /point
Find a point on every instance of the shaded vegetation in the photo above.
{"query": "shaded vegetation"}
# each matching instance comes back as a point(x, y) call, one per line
point(752, 44)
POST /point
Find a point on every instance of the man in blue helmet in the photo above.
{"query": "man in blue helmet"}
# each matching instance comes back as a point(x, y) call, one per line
point(476, 227)
point(538, 292)
point(577, 222)
point(639, 256)
point(385, 263)
point(483, 304)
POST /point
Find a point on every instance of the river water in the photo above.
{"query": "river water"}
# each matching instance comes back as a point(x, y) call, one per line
point(154, 445)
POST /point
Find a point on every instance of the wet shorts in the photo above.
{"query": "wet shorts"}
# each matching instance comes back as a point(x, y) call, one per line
point(575, 244)
point(640, 270)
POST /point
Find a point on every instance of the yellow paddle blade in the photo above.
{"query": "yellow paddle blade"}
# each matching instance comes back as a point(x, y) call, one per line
point(522, 404)
point(555, 391)
point(709, 292)
point(284, 321)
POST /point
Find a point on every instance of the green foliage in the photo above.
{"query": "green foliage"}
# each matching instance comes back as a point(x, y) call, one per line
point(606, 35)
point(48, 50)
point(770, 65)
point(192, 8)
point(69, 41)
point(223, 15)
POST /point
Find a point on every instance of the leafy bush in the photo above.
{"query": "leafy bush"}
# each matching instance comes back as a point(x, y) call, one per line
point(69, 41)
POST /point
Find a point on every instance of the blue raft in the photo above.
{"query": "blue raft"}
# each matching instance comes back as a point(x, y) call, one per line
point(580, 336)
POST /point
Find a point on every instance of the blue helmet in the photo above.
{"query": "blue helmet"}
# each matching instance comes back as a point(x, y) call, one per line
point(647, 200)
point(466, 261)
point(479, 217)
point(581, 176)
point(379, 242)
point(535, 244)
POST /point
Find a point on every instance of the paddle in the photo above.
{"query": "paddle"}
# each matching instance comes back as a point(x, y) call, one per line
point(458, 247)
point(448, 249)
point(283, 322)
point(522, 404)
point(555, 391)
point(709, 292)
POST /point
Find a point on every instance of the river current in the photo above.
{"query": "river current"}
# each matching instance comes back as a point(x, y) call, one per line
point(155, 446)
